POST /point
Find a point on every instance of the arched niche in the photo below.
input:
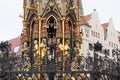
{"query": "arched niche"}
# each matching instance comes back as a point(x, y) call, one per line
point(51, 26)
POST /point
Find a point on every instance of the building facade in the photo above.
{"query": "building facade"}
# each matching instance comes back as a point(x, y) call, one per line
point(94, 31)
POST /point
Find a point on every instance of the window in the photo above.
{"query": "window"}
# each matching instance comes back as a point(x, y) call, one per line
point(108, 52)
point(116, 46)
point(81, 32)
point(87, 35)
point(98, 35)
point(110, 44)
point(92, 33)
point(113, 53)
point(87, 32)
point(16, 49)
point(90, 46)
point(95, 34)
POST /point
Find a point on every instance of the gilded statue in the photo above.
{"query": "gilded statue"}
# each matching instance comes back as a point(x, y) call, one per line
point(43, 48)
point(59, 50)
point(66, 48)
point(26, 65)
point(36, 46)
point(77, 50)
point(20, 77)
point(25, 46)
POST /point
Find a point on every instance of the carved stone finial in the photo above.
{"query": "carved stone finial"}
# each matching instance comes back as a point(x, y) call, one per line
point(77, 23)
point(31, 8)
point(51, 4)
point(71, 8)
point(25, 23)
point(63, 18)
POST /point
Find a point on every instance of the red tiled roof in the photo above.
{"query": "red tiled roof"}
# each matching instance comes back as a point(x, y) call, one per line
point(105, 25)
point(85, 18)
point(14, 43)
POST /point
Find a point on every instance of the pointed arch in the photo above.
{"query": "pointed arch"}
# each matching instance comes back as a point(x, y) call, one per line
point(33, 26)
point(32, 17)
point(51, 26)
point(50, 17)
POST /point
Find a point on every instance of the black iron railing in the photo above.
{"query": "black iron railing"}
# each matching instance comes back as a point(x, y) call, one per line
point(80, 68)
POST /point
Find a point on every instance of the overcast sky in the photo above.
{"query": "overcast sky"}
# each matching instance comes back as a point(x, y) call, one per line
point(11, 23)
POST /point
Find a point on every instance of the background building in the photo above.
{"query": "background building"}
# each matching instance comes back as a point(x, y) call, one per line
point(92, 31)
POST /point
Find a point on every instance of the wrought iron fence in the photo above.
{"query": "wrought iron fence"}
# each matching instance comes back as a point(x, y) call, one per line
point(79, 68)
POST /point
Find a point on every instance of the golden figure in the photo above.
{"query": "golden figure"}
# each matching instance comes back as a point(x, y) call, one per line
point(26, 65)
point(43, 48)
point(61, 47)
point(77, 50)
point(66, 48)
point(20, 77)
point(82, 75)
point(29, 78)
point(59, 50)
point(73, 78)
point(34, 77)
point(25, 49)
point(25, 46)
point(36, 47)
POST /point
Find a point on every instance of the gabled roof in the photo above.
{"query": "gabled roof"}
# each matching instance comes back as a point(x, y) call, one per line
point(85, 18)
point(105, 25)
point(47, 8)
